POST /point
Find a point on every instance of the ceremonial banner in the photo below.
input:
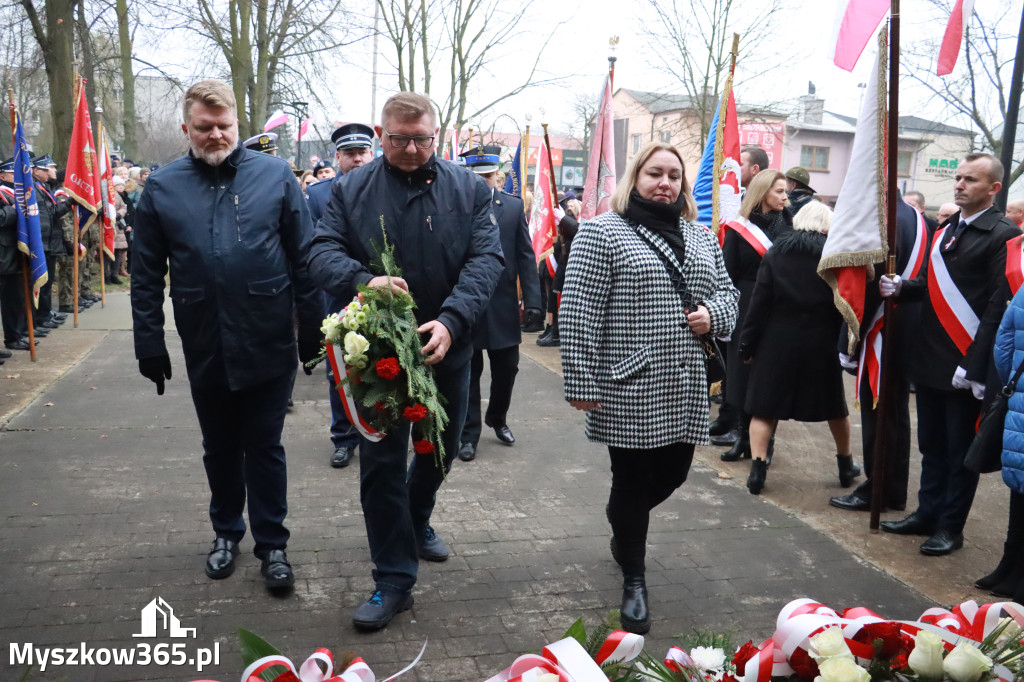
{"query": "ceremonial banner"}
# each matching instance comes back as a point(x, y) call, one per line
point(516, 174)
point(81, 180)
point(30, 239)
point(108, 208)
point(542, 221)
point(304, 128)
point(857, 21)
point(857, 238)
point(276, 119)
point(959, 19)
point(600, 183)
point(721, 152)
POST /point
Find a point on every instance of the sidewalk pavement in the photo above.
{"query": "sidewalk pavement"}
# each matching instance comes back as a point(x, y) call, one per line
point(104, 510)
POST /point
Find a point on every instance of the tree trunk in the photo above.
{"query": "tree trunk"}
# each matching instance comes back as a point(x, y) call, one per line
point(56, 42)
point(87, 68)
point(128, 117)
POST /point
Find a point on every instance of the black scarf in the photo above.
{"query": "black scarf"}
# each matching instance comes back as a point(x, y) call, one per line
point(773, 223)
point(660, 218)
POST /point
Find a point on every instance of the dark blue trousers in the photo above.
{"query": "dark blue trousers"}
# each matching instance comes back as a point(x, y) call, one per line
point(504, 367)
point(946, 423)
point(398, 497)
point(243, 456)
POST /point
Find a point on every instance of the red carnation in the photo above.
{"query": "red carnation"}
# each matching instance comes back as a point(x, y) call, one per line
point(744, 654)
point(414, 413)
point(388, 368)
point(423, 447)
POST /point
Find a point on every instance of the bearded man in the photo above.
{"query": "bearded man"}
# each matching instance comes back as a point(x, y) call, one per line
point(235, 228)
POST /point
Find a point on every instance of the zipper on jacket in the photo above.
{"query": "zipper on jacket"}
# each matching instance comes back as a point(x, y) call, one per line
point(238, 227)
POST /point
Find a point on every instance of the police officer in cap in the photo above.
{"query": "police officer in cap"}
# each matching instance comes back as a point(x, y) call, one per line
point(264, 142)
point(52, 208)
point(497, 330)
point(353, 143)
point(12, 291)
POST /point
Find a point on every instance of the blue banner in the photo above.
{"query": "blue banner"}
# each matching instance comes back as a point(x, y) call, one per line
point(516, 177)
point(30, 239)
point(703, 185)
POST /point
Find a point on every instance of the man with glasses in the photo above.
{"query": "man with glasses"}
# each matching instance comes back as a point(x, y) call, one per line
point(438, 217)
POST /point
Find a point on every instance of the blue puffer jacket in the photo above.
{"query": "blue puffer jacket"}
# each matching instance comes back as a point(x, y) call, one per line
point(1009, 353)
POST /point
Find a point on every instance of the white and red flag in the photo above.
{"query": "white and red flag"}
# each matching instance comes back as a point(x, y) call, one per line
point(304, 128)
point(857, 238)
point(277, 118)
point(600, 183)
point(108, 208)
point(543, 225)
point(81, 181)
point(954, 36)
point(856, 22)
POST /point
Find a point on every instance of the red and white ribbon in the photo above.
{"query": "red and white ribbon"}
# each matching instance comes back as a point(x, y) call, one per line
point(871, 356)
point(1014, 263)
point(752, 234)
point(619, 646)
point(348, 402)
point(954, 312)
point(311, 670)
point(916, 259)
point(565, 658)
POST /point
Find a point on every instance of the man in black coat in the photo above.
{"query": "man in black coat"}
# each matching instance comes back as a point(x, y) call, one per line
point(12, 289)
point(965, 267)
point(438, 218)
point(497, 330)
point(53, 206)
point(235, 228)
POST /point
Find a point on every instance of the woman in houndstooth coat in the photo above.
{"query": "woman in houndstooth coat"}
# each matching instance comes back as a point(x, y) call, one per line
point(631, 354)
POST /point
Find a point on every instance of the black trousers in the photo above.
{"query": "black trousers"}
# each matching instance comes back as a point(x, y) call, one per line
point(45, 308)
point(12, 307)
point(641, 480)
point(945, 428)
point(897, 440)
point(243, 456)
point(504, 367)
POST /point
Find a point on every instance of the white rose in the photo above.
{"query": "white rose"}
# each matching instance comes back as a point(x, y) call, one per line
point(1011, 632)
point(966, 663)
point(708, 658)
point(840, 669)
point(830, 643)
point(356, 344)
point(926, 658)
point(331, 328)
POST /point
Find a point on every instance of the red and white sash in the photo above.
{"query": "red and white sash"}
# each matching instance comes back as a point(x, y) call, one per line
point(1014, 263)
point(871, 347)
point(950, 306)
point(354, 418)
point(752, 234)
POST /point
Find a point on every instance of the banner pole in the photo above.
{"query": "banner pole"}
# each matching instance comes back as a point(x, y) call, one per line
point(24, 257)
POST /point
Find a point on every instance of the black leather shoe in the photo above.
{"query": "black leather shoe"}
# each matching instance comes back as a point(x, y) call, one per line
point(221, 561)
point(635, 614)
point(380, 608)
point(41, 332)
point(911, 525)
point(5, 354)
point(20, 344)
point(550, 341)
point(739, 450)
point(504, 434)
point(67, 309)
point(467, 452)
point(341, 457)
point(851, 502)
point(432, 547)
point(942, 543)
point(50, 324)
point(720, 427)
point(277, 572)
point(95, 298)
point(534, 327)
point(727, 439)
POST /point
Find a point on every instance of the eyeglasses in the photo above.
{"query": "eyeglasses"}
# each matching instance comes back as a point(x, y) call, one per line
point(402, 141)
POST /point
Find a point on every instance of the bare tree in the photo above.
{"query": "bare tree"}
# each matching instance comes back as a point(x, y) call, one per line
point(586, 108)
point(21, 70)
point(976, 92)
point(691, 41)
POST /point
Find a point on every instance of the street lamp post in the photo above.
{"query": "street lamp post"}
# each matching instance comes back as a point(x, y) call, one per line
point(301, 110)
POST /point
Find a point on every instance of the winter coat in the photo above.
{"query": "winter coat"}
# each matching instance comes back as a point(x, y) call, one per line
point(120, 240)
point(237, 236)
point(625, 340)
point(498, 325)
point(439, 221)
point(1008, 353)
point(790, 333)
point(52, 208)
point(10, 263)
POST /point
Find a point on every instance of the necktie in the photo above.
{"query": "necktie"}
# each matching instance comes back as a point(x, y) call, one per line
point(957, 231)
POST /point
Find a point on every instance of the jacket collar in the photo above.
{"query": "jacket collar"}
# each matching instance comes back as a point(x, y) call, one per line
point(426, 173)
point(233, 160)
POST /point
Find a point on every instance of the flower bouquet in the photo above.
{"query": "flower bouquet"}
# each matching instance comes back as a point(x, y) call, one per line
point(374, 352)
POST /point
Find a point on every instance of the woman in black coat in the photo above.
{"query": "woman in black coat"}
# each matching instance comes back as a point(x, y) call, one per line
point(763, 218)
point(789, 339)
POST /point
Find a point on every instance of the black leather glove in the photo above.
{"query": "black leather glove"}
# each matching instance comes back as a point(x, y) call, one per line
point(310, 343)
point(156, 370)
point(533, 317)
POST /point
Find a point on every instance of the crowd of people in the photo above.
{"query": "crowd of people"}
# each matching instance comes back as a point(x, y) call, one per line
point(644, 302)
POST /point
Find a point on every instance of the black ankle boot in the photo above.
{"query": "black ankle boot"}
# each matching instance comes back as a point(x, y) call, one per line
point(758, 472)
point(739, 450)
point(548, 331)
point(1012, 585)
point(847, 470)
point(635, 615)
point(1002, 571)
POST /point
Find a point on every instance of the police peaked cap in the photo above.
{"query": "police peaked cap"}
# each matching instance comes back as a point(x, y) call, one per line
point(43, 162)
point(7, 165)
point(482, 159)
point(320, 165)
point(264, 142)
point(352, 135)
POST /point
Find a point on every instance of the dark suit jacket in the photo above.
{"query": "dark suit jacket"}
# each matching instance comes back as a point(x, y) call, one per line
point(498, 326)
point(977, 265)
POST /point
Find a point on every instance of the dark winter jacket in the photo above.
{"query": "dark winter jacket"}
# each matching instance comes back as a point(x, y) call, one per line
point(52, 208)
point(237, 236)
point(445, 235)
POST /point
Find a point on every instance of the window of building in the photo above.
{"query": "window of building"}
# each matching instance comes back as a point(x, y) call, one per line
point(814, 158)
point(666, 136)
point(903, 160)
point(638, 140)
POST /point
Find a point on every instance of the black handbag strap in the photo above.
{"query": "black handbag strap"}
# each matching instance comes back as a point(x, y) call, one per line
point(1009, 388)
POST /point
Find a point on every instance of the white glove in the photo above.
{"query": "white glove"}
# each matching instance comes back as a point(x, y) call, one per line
point(978, 389)
point(960, 378)
point(890, 286)
point(847, 362)
point(559, 214)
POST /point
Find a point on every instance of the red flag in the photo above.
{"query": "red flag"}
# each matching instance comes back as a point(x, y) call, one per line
point(600, 184)
point(106, 178)
point(82, 178)
point(542, 221)
point(857, 23)
point(954, 36)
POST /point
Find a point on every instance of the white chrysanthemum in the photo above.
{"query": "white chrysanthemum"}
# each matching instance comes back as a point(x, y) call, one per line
point(708, 658)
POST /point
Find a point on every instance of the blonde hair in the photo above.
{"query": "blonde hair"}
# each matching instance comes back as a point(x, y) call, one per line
point(528, 201)
point(407, 106)
point(210, 93)
point(574, 206)
point(759, 188)
point(620, 198)
point(813, 217)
